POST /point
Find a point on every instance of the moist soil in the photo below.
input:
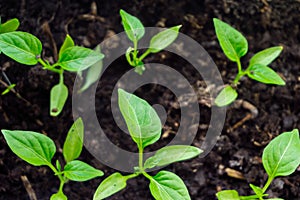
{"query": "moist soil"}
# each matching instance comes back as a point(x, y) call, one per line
point(234, 162)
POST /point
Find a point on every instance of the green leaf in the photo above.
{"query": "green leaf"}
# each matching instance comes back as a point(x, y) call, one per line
point(22, 47)
point(264, 74)
point(77, 58)
point(132, 26)
point(111, 185)
point(232, 42)
point(9, 26)
point(58, 196)
point(163, 39)
point(171, 154)
point(35, 148)
point(228, 195)
point(226, 96)
point(281, 156)
point(265, 57)
point(80, 171)
point(68, 42)
point(257, 190)
point(58, 98)
point(142, 121)
point(74, 141)
point(168, 186)
point(8, 89)
point(93, 73)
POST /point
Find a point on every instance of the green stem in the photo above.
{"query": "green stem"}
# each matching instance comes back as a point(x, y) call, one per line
point(48, 66)
point(141, 154)
point(61, 77)
point(268, 183)
point(240, 74)
point(249, 197)
point(59, 175)
point(146, 53)
point(135, 50)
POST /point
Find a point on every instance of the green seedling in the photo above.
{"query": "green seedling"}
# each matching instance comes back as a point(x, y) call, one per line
point(38, 150)
point(144, 127)
point(135, 31)
point(26, 49)
point(280, 158)
point(235, 46)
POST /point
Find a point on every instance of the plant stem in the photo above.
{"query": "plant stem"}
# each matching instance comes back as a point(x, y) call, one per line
point(250, 197)
point(240, 74)
point(144, 54)
point(59, 175)
point(48, 66)
point(268, 183)
point(141, 159)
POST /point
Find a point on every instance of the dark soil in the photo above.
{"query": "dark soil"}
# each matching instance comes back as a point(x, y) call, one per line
point(264, 23)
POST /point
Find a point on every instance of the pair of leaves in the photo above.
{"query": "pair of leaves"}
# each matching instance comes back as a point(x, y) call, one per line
point(25, 48)
point(144, 126)
point(163, 186)
point(135, 31)
point(38, 149)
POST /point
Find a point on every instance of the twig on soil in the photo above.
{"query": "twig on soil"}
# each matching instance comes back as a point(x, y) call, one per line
point(248, 106)
point(47, 31)
point(27, 185)
point(15, 92)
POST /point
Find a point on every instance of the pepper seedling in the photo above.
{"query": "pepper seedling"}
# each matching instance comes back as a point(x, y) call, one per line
point(144, 127)
point(26, 49)
point(135, 31)
point(280, 158)
point(235, 46)
point(38, 150)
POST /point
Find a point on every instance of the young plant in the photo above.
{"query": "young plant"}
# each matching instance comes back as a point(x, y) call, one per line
point(280, 158)
point(144, 127)
point(235, 46)
point(135, 31)
point(38, 150)
point(26, 49)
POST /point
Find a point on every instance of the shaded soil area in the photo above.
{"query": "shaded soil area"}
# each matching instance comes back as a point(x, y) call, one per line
point(239, 148)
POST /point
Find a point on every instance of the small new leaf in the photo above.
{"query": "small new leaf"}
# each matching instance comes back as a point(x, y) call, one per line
point(77, 58)
point(74, 141)
point(264, 74)
point(22, 47)
point(257, 190)
point(167, 186)
point(79, 171)
point(142, 120)
point(226, 96)
point(9, 26)
point(132, 26)
point(266, 56)
point(232, 42)
point(171, 154)
point(163, 39)
point(68, 42)
point(58, 97)
point(111, 185)
point(280, 157)
point(35, 148)
point(228, 195)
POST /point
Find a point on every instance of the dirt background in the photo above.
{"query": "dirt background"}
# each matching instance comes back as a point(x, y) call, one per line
point(239, 148)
